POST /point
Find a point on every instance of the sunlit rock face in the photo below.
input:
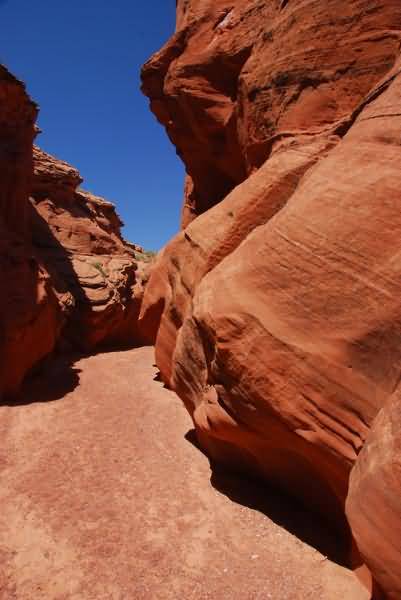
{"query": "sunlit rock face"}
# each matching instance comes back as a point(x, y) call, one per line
point(239, 78)
point(94, 270)
point(277, 309)
point(373, 503)
point(70, 281)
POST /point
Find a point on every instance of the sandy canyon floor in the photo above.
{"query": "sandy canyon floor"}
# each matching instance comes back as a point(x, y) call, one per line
point(104, 496)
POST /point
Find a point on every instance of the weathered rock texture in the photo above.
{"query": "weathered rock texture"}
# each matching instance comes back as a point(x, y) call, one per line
point(29, 313)
point(77, 236)
point(373, 504)
point(277, 311)
point(69, 278)
point(239, 77)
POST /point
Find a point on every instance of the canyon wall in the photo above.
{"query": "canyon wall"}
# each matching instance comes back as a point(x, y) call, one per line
point(69, 279)
point(373, 503)
point(30, 318)
point(276, 310)
point(94, 271)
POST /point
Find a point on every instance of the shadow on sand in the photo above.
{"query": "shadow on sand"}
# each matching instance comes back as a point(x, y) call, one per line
point(49, 381)
point(57, 375)
point(158, 378)
point(280, 507)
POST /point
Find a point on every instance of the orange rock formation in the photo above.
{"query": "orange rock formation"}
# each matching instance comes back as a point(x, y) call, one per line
point(93, 269)
point(70, 281)
point(30, 319)
point(277, 310)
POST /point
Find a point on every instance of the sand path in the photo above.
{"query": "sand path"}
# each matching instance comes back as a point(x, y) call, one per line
point(104, 498)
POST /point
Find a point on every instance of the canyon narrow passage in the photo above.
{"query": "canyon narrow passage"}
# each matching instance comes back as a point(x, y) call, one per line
point(104, 496)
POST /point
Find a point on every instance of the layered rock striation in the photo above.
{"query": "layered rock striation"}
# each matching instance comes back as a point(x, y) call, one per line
point(93, 269)
point(240, 78)
point(276, 311)
point(70, 280)
point(373, 503)
point(30, 318)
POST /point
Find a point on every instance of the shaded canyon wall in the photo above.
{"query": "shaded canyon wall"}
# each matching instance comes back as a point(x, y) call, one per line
point(69, 279)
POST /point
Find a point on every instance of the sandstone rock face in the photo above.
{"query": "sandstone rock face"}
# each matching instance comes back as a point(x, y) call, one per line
point(277, 311)
point(93, 269)
point(373, 504)
point(239, 77)
point(70, 281)
point(29, 314)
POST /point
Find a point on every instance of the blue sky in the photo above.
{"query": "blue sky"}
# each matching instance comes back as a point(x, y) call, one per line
point(81, 60)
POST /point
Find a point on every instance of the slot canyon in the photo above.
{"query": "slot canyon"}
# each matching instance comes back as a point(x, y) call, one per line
point(220, 419)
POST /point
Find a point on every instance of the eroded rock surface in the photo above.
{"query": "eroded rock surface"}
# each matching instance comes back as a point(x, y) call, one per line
point(93, 269)
point(277, 311)
point(70, 281)
point(29, 314)
point(239, 77)
point(373, 504)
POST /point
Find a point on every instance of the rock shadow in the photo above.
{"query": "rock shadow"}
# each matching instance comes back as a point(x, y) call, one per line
point(158, 378)
point(111, 347)
point(51, 380)
point(280, 507)
point(58, 262)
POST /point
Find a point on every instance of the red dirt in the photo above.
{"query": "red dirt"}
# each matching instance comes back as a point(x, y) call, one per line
point(103, 497)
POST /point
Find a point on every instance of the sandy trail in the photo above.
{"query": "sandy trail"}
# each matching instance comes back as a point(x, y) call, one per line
point(104, 498)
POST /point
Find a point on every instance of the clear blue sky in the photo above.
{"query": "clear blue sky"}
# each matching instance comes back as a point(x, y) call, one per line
point(81, 60)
